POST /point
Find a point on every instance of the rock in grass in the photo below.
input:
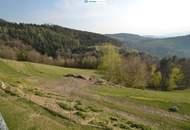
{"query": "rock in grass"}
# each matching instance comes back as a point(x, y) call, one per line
point(2, 85)
point(173, 109)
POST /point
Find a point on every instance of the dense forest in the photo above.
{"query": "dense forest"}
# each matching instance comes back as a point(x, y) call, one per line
point(50, 44)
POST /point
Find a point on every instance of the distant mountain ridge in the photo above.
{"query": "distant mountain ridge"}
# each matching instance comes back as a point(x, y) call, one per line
point(131, 38)
point(178, 45)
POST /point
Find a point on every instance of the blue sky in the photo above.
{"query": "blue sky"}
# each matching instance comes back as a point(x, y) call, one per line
point(145, 17)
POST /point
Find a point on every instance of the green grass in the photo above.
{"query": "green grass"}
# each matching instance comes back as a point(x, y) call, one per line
point(159, 99)
point(33, 74)
point(20, 114)
point(98, 100)
point(132, 101)
point(24, 115)
point(15, 68)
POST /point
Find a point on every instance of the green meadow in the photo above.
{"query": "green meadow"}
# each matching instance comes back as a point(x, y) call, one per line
point(93, 106)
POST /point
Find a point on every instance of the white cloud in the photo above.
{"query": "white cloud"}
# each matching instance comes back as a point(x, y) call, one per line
point(160, 16)
point(134, 16)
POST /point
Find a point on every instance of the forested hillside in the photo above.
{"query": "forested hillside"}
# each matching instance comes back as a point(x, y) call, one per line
point(161, 47)
point(50, 44)
point(130, 38)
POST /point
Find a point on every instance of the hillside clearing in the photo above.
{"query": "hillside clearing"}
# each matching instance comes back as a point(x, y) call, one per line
point(41, 94)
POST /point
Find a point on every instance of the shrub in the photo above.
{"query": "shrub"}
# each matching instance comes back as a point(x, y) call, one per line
point(34, 56)
point(95, 109)
point(173, 109)
point(140, 126)
point(65, 105)
point(113, 118)
point(81, 114)
point(7, 52)
point(38, 93)
point(122, 126)
point(22, 55)
point(81, 108)
point(78, 102)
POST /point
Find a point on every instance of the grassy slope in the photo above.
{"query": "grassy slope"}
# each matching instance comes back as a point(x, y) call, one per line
point(24, 115)
point(15, 72)
point(30, 115)
point(125, 101)
point(20, 114)
point(151, 106)
point(159, 99)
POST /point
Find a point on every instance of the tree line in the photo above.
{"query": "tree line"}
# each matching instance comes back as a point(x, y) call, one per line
point(137, 71)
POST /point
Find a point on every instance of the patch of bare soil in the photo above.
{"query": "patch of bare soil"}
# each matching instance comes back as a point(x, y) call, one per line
point(67, 85)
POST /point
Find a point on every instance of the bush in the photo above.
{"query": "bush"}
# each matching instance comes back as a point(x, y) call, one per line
point(38, 93)
point(81, 114)
point(140, 126)
point(7, 52)
point(78, 102)
point(65, 105)
point(34, 56)
point(22, 55)
point(113, 118)
point(81, 108)
point(94, 109)
point(122, 126)
point(173, 109)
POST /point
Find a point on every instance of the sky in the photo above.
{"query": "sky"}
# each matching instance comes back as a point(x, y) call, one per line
point(144, 17)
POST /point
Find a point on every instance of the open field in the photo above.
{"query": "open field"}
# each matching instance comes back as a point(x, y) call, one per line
point(148, 105)
point(159, 99)
point(40, 97)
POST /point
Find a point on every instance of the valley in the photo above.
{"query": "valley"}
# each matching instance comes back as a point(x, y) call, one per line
point(156, 46)
point(94, 65)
